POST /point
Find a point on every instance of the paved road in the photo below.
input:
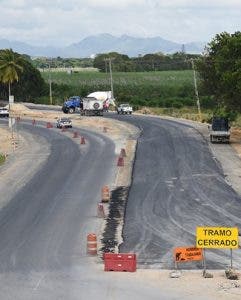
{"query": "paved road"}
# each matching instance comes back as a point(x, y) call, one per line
point(177, 185)
point(43, 229)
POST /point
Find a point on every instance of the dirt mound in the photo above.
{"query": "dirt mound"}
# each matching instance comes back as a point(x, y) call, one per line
point(19, 109)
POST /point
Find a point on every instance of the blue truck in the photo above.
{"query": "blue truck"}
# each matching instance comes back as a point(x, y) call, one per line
point(73, 104)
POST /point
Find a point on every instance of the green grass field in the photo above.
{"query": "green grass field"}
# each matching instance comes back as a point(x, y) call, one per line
point(156, 89)
point(160, 79)
point(162, 92)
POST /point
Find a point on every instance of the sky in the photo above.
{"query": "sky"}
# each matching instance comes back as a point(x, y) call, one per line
point(63, 22)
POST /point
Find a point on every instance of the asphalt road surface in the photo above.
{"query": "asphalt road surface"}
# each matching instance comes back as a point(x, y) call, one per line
point(177, 186)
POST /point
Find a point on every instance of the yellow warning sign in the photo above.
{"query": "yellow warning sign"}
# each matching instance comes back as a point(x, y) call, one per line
point(217, 237)
point(182, 254)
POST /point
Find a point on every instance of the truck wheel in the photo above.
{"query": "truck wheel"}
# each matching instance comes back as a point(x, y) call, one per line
point(71, 110)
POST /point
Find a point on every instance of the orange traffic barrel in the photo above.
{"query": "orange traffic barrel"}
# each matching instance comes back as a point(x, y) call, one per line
point(105, 194)
point(82, 141)
point(100, 210)
point(120, 162)
point(91, 244)
point(123, 152)
point(75, 134)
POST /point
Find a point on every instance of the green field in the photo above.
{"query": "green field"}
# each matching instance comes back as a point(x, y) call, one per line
point(155, 89)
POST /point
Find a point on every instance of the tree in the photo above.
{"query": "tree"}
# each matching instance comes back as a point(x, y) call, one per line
point(11, 65)
point(220, 71)
point(31, 85)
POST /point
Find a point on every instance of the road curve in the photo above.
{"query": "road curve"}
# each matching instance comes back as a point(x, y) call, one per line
point(177, 186)
point(43, 228)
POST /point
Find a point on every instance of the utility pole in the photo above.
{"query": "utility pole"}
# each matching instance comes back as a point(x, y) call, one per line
point(50, 87)
point(196, 90)
point(111, 78)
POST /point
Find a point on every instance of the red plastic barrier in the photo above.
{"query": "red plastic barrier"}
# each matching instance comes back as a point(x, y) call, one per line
point(122, 262)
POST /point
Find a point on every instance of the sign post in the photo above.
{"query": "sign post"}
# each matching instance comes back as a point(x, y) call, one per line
point(184, 254)
point(217, 238)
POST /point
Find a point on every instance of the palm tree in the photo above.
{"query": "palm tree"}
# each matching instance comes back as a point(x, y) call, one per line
point(11, 65)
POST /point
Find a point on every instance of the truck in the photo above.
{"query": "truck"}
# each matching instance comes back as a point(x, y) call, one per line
point(73, 104)
point(105, 96)
point(124, 109)
point(219, 130)
point(4, 112)
point(92, 107)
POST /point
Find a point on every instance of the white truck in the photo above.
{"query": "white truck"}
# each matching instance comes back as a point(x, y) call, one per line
point(124, 109)
point(105, 97)
point(4, 112)
point(92, 107)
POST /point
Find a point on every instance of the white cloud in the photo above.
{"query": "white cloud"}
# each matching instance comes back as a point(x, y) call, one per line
point(62, 22)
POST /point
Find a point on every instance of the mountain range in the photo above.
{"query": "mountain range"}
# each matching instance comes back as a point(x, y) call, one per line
point(104, 43)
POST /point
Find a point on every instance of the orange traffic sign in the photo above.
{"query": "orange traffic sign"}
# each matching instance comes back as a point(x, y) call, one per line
point(183, 254)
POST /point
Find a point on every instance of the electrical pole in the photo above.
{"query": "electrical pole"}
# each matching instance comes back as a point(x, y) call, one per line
point(50, 87)
point(196, 91)
point(111, 78)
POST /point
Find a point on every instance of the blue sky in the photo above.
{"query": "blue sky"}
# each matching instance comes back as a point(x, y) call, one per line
point(62, 22)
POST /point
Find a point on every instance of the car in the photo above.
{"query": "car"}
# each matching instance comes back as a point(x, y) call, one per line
point(4, 112)
point(124, 109)
point(64, 122)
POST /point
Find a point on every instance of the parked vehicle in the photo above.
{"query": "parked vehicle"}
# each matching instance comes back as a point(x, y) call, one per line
point(92, 107)
point(73, 104)
point(124, 109)
point(219, 131)
point(4, 112)
point(64, 122)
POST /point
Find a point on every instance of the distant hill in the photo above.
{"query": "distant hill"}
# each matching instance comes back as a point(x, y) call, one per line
point(104, 43)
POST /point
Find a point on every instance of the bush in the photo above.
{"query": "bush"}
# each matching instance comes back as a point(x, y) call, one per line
point(2, 158)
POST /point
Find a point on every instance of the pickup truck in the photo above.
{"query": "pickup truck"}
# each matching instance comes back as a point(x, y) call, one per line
point(124, 109)
point(4, 112)
point(219, 130)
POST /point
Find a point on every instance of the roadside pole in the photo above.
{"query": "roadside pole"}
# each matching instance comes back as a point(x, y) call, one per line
point(196, 91)
point(11, 120)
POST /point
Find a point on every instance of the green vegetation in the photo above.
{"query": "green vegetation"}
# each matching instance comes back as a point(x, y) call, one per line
point(2, 159)
point(59, 62)
point(220, 73)
point(161, 89)
point(25, 80)
point(11, 65)
point(146, 63)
